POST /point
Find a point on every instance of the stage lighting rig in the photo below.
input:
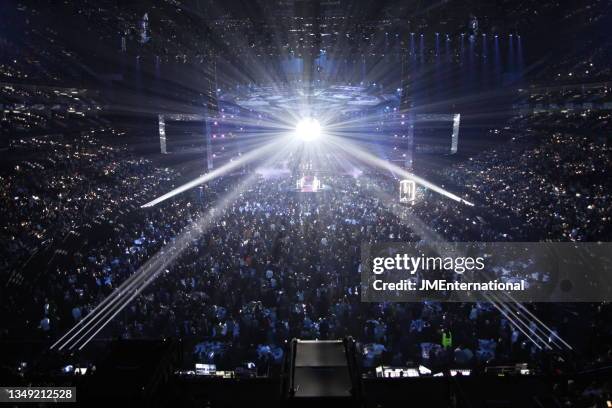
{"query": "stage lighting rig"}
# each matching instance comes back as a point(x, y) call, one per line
point(308, 129)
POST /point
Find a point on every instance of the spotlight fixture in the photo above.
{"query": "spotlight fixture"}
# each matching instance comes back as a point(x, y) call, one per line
point(308, 129)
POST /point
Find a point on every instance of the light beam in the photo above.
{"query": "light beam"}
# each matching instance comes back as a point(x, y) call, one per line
point(378, 162)
point(253, 155)
point(308, 129)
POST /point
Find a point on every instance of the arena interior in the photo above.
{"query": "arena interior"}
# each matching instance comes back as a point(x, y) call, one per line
point(189, 190)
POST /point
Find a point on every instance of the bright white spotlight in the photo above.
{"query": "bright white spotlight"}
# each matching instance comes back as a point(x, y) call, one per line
point(308, 129)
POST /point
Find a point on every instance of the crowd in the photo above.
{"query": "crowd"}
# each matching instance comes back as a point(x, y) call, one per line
point(556, 183)
point(277, 265)
point(57, 186)
point(274, 265)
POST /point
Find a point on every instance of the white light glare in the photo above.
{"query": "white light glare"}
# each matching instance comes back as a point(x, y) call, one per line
point(308, 129)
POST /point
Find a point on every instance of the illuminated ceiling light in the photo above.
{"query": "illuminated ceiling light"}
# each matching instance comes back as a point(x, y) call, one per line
point(308, 129)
